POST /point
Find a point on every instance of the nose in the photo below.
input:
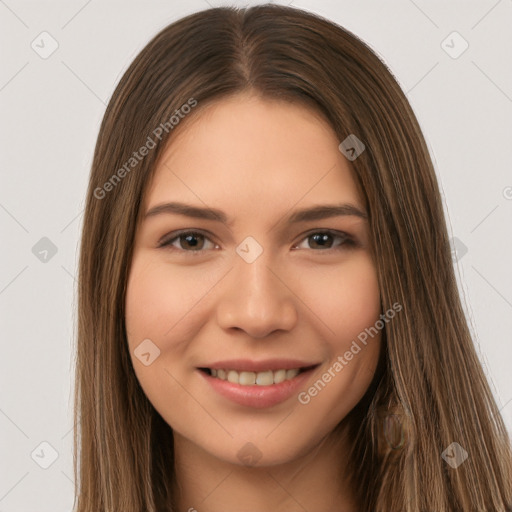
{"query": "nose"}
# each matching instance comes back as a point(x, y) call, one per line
point(257, 299)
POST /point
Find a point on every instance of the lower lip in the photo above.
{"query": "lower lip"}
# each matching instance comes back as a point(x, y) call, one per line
point(258, 397)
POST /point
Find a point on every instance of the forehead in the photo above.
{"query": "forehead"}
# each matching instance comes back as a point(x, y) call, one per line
point(253, 153)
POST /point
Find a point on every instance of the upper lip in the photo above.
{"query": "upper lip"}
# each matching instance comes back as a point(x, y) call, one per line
point(258, 366)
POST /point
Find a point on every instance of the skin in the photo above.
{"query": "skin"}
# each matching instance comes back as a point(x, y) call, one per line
point(258, 161)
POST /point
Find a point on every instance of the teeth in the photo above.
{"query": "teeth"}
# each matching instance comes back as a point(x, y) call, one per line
point(291, 373)
point(265, 378)
point(279, 376)
point(233, 377)
point(246, 378)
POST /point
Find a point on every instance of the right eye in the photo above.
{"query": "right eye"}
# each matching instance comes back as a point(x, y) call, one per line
point(188, 241)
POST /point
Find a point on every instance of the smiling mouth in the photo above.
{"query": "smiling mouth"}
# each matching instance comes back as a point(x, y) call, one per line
point(263, 378)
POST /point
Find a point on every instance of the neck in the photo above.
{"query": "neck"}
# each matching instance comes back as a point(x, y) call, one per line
point(314, 481)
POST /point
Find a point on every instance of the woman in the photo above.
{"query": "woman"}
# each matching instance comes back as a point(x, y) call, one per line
point(268, 313)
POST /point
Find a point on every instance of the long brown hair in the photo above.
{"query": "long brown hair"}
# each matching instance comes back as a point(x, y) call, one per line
point(432, 390)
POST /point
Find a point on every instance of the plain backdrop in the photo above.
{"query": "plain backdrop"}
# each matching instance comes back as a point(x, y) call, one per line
point(51, 109)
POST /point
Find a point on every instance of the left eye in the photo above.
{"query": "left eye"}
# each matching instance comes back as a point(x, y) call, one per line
point(194, 242)
point(324, 240)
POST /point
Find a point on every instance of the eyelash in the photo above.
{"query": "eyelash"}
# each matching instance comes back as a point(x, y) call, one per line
point(346, 243)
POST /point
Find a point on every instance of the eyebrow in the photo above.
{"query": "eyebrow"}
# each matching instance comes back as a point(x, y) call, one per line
point(307, 214)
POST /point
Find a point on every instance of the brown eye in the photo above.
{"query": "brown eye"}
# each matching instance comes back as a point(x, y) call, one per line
point(327, 240)
point(191, 241)
point(321, 240)
point(188, 241)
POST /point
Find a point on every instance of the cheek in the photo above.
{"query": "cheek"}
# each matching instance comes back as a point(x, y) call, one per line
point(350, 308)
point(346, 299)
point(159, 299)
point(359, 304)
point(146, 301)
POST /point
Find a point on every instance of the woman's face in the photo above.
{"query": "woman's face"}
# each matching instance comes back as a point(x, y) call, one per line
point(258, 292)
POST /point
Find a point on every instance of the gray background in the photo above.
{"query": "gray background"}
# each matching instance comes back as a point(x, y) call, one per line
point(51, 111)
